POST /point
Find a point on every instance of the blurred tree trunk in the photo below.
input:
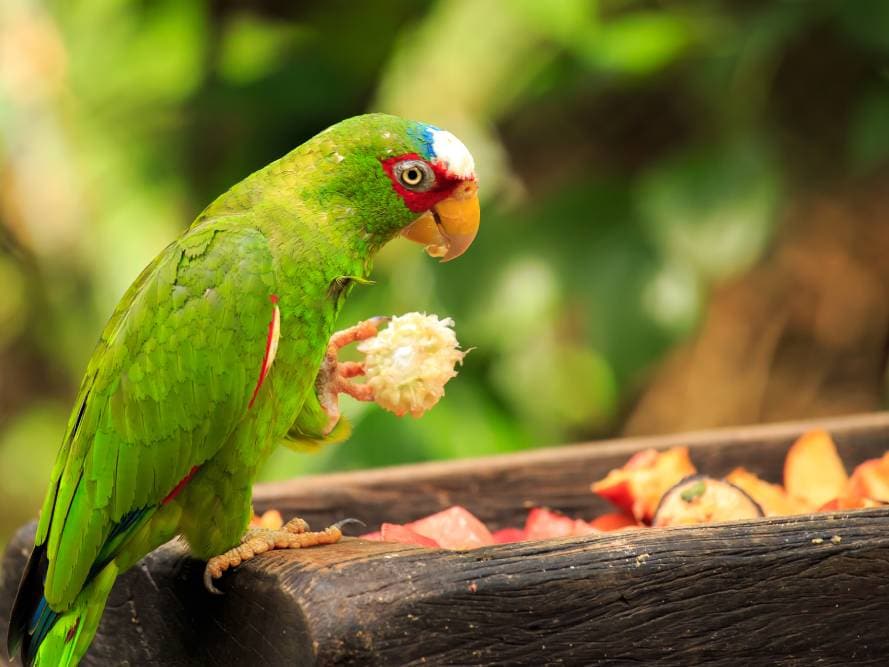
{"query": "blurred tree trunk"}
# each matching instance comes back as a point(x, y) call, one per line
point(805, 334)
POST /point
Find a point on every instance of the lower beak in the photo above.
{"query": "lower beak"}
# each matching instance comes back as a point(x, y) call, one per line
point(450, 227)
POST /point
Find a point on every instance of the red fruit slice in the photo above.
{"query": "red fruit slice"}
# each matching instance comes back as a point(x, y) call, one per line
point(509, 535)
point(543, 524)
point(614, 521)
point(454, 528)
point(582, 527)
point(392, 532)
point(637, 487)
point(849, 503)
point(871, 479)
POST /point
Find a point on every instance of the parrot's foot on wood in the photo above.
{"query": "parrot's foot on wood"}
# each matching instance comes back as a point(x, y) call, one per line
point(294, 534)
point(334, 378)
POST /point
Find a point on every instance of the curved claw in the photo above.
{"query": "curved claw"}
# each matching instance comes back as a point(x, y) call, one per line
point(208, 584)
point(345, 522)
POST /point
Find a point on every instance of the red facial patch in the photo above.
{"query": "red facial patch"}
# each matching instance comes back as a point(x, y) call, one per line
point(418, 202)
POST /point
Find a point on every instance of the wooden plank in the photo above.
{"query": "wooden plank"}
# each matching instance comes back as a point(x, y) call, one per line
point(789, 591)
point(793, 591)
point(801, 589)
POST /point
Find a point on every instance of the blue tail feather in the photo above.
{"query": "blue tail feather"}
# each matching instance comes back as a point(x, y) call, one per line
point(42, 622)
point(29, 628)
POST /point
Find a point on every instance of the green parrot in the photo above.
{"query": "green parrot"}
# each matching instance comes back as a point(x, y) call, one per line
point(221, 349)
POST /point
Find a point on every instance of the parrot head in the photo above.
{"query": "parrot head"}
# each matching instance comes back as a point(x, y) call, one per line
point(389, 176)
point(437, 182)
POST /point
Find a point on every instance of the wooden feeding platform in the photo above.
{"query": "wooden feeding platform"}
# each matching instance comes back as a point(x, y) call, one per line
point(799, 590)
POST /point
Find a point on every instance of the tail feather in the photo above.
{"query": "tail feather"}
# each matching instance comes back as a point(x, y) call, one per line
point(47, 638)
point(29, 611)
point(41, 623)
point(72, 632)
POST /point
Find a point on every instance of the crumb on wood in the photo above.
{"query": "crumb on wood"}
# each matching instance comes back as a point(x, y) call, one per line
point(836, 539)
point(817, 540)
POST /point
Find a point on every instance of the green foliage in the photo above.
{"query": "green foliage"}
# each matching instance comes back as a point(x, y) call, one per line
point(631, 155)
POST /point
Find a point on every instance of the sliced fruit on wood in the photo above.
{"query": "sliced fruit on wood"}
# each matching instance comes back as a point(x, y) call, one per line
point(637, 487)
point(454, 528)
point(871, 479)
point(614, 521)
point(509, 535)
point(849, 503)
point(393, 532)
point(543, 524)
point(773, 499)
point(813, 470)
point(701, 499)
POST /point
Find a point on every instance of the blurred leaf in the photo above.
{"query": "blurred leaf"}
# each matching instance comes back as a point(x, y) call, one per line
point(713, 209)
point(674, 298)
point(556, 386)
point(13, 312)
point(637, 43)
point(563, 20)
point(27, 450)
point(866, 22)
point(132, 53)
point(251, 47)
point(869, 131)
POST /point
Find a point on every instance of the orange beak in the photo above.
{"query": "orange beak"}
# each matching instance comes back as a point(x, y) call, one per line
point(450, 227)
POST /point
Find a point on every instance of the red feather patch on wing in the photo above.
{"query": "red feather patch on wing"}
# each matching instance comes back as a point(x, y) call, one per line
point(181, 485)
point(271, 347)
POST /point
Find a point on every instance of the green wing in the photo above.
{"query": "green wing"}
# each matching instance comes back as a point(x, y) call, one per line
point(169, 381)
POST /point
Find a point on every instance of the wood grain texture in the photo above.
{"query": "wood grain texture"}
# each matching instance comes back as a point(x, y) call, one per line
point(791, 591)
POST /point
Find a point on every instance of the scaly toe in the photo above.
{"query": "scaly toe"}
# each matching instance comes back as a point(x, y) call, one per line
point(294, 535)
point(296, 525)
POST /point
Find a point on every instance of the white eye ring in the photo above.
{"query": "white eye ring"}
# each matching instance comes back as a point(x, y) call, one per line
point(415, 175)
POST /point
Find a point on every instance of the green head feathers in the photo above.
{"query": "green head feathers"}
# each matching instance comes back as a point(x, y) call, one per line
point(366, 179)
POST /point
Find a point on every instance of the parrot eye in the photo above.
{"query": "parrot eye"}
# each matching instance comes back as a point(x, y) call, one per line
point(415, 175)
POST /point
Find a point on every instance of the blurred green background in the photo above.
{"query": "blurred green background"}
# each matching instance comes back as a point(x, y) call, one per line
point(683, 202)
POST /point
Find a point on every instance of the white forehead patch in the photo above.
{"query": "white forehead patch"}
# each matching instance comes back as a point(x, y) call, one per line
point(452, 154)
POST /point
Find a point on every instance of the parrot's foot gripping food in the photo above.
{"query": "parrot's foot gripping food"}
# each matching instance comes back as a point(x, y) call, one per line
point(335, 376)
point(294, 534)
point(407, 364)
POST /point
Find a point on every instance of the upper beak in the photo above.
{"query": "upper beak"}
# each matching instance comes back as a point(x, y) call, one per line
point(450, 227)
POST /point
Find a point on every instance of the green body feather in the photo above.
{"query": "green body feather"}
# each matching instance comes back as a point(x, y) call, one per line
point(169, 386)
